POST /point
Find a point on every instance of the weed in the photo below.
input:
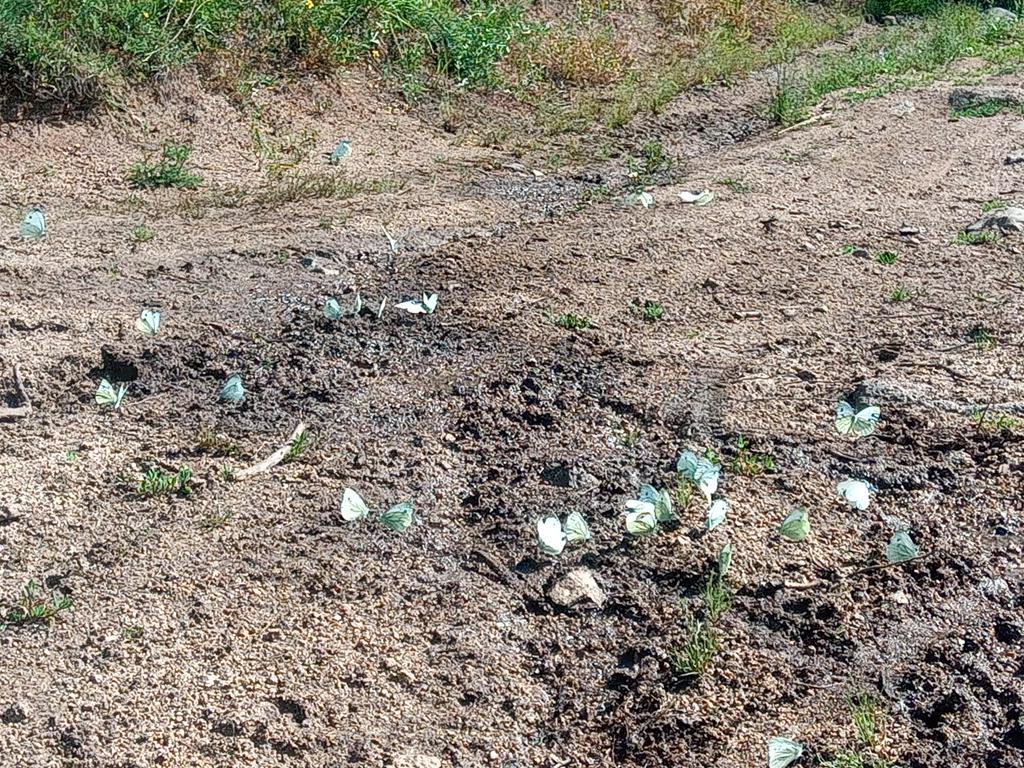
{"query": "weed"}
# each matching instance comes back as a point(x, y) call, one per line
point(227, 473)
point(717, 598)
point(735, 185)
point(215, 443)
point(985, 237)
point(582, 57)
point(157, 482)
point(788, 102)
point(985, 108)
point(993, 205)
point(143, 234)
point(866, 718)
point(653, 159)
point(683, 493)
point(995, 422)
point(630, 435)
point(888, 258)
point(650, 311)
point(694, 658)
point(572, 322)
point(983, 338)
point(750, 463)
point(298, 447)
point(168, 170)
point(133, 633)
point(33, 607)
point(217, 519)
point(899, 293)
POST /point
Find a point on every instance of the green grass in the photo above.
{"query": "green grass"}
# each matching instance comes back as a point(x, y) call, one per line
point(572, 322)
point(993, 205)
point(985, 237)
point(900, 293)
point(694, 657)
point(887, 258)
point(995, 422)
point(899, 56)
point(157, 482)
point(736, 185)
point(80, 51)
point(716, 597)
point(650, 311)
point(748, 462)
point(168, 169)
point(33, 607)
point(983, 338)
point(986, 108)
point(142, 233)
point(298, 447)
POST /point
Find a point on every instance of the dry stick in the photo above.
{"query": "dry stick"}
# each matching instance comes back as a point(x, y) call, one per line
point(273, 459)
point(22, 410)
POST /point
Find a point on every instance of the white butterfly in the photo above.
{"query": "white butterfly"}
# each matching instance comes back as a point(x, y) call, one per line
point(399, 517)
point(662, 501)
point(341, 151)
point(107, 395)
point(380, 309)
point(725, 559)
point(861, 423)
point(352, 506)
point(646, 199)
point(901, 548)
point(641, 518)
point(233, 390)
point(701, 471)
point(422, 306)
point(575, 528)
point(697, 198)
point(716, 513)
point(796, 526)
point(392, 242)
point(550, 537)
point(33, 226)
point(856, 493)
point(332, 309)
point(782, 752)
point(148, 322)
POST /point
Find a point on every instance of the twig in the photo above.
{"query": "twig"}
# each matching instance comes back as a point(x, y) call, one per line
point(273, 459)
point(22, 410)
point(802, 123)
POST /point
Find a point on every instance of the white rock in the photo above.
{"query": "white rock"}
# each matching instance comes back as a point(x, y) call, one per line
point(1009, 219)
point(577, 586)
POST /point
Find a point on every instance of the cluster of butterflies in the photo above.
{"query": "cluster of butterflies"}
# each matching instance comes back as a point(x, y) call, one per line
point(149, 324)
point(653, 507)
point(425, 305)
point(399, 518)
point(646, 199)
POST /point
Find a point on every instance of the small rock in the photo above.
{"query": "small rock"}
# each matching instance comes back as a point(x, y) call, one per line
point(901, 598)
point(13, 715)
point(1001, 15)
point(860, 253)
point(314, 265)
point(1015, 158)
point(578, 585)
point(1009, 219)
point(982, 95)
point(995, 589)
point(890, 21)
point(909, 231)
point(417, 761)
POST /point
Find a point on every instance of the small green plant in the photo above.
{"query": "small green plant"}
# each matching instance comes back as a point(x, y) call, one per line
point(572, 322)
point(298, 447)
point(994, 422)
point(986, 108)
point(694, 658)
point(887, 258)
point(983, 338)
point(735, 185)
point(227, 473)
point(650, 311)
point(985, 237)
point(215, 443)
point(34, 606)
point(216, 519)
point(142, 233)
point(866, 718)
point(683, 493)
point(788, 102)
point(157, 482)
point(899, 293)
point(168, 170)
point(993, 205)
point(750, 463)
point(717, 598)
point(133, 633)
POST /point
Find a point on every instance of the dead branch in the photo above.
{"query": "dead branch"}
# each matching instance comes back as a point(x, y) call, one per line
point(22, 410)
point(273, 459)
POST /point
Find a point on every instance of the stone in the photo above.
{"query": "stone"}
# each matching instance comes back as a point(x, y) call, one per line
point(1001, 15)
point(982, 95)
point(1015, 158)
point(1010, 219)
point(417, 761)
point(575, 587)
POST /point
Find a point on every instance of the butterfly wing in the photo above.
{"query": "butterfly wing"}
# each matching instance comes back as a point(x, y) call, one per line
point(233, 390)
point(399, 517)
point(865, 421)
point(844, 418)
point(576, 528)
point(105, 394)
point(34, 224)
point(796, 526)
point(429, 302)
point(687, 464)
point(641, 519)
point(148, 322)
point(716, 513)
point(782, 752)
point(352, 506)
point(855, 492)
point(332, 309)
point(725, 559)
point(413, 307)
point(550, 538)
point(901, 548)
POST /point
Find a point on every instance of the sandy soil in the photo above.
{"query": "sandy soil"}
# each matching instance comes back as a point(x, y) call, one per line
point(247, 625)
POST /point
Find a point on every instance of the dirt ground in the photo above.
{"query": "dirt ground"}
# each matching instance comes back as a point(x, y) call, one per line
point(247, 625)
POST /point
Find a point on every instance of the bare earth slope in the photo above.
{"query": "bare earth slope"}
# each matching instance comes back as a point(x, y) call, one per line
point(248, 625)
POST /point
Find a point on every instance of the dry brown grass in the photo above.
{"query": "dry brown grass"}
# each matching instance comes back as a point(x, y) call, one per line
point(698, 17)
point(583, 57)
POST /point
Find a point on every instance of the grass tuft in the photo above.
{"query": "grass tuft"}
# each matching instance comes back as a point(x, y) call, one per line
point(694, 658)
point(167, 170)
point(33, 607)
point(157, 482)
